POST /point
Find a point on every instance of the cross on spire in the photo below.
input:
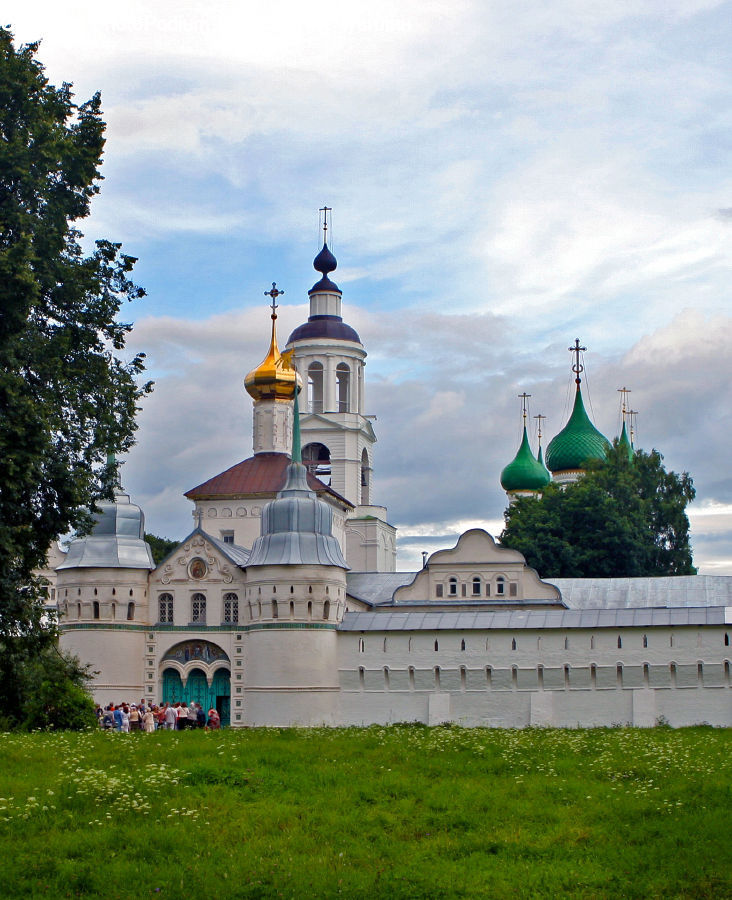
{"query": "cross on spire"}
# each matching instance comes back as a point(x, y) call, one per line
point(624, 391)
point(632, 415)
point(274, 294)
point(539, 418)
point(325, 210)
point(523, 398)
point(577, 366)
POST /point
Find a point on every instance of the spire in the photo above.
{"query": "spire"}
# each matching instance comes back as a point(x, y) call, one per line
point(296, 449)
point(325, 262)
point(540, 454)
point(624, 440)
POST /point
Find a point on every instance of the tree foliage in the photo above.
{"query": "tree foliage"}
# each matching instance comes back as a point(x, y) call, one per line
point(160, 546)
point(67, 396)
point(622, 518)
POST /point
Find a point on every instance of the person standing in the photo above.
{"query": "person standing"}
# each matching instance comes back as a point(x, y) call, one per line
point(171, 717)
point(148, 721)
point(182, 716)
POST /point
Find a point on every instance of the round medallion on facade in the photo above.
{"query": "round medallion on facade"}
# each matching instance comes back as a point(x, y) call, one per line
point(198, 568)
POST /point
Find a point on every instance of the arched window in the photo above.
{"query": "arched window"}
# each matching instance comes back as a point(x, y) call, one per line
point(231, 609)
point(361, 677)
point(437, 645)
point(310, 609)
point(452, 587)
point(130, 611)
point(513, 643)
point(410, 672)
point(476, 587)
point(315, 387)
point(361, 645)
point(198, 609)
point(500, 585)
point(386, 678)
point(365, 478)
point(326, 609)
point(343, 387)
point(566, 643)
point(462, 644)
point(620, 643)
point(645, 640)
point(592, 642)
point(726, 639)
point(316, 459)
point(275, 610)
point(96, 609)
point(165, 608)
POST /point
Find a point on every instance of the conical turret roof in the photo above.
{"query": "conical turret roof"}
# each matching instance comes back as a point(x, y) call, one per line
point(524, 472)
point(577, 442)
point(624, 442)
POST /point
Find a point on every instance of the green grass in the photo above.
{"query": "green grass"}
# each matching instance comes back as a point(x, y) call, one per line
point(404, 811)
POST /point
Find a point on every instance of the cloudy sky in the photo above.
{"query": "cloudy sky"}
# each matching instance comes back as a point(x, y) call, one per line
point(505, 177)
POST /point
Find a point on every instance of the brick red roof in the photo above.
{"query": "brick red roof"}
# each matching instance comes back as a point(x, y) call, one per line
point(263, 474)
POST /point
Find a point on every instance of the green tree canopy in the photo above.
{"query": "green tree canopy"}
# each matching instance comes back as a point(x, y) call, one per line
point(67, 395)
point(160, 546)
point(622, 518)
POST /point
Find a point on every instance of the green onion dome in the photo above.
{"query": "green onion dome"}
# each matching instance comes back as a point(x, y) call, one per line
point(624, 442)
point(524, 473)
point(577, 442)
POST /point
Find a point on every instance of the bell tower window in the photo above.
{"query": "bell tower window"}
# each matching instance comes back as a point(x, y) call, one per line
point(315, 387)
point(343, 387)
point(365, 479)
point(316, 459)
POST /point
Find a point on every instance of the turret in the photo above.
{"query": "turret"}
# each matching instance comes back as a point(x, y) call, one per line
point(296, 591)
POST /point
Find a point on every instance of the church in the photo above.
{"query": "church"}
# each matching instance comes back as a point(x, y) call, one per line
point(284, 606)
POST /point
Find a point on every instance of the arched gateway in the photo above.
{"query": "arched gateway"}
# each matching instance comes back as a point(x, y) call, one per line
point(197, 671)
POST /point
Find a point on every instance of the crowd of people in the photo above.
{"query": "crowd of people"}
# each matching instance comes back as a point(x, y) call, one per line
point(140, 716)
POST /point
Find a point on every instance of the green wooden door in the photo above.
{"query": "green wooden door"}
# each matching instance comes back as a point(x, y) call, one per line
point(172, 687)
point(221, 694)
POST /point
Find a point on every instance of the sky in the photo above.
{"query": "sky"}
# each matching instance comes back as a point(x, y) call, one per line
point(504, 178)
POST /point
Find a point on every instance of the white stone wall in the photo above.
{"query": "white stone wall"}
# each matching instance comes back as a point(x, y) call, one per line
point(558, 677)
point(370, 541)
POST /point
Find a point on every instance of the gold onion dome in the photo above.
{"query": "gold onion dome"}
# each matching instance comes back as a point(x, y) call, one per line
point(275, 377)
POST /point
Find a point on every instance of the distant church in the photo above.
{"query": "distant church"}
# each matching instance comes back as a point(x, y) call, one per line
point(283, 606)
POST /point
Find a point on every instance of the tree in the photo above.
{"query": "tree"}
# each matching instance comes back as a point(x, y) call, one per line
point(66, 395)
point(624, 517)
point(160, 546)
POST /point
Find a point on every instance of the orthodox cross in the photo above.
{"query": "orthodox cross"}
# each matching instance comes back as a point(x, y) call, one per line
point(523, 398)
point(624, 391)
point(632, 415)
point(539, 417)
point(274, 294)
point(325, 210)
point(577, 366)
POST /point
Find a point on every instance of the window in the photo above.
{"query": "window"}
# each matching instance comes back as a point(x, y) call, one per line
point(476, 587)
point(316, 459)
point(500, 585)
point(227, 537)
point(512, 589)
point(275, 611)
point(326, 609)
point(620, 643)
point(130, 611)
point(645, 640)
point(231, 609)
point(315, 387)
point(165, 608)
point(198, 609)
point(365, 478)
point(343, 387)
point(439, 590)
point(513, 643)
point(437, 645)
point(452, 587)
point(361, 645)
point(462, 645)
point(96, 609)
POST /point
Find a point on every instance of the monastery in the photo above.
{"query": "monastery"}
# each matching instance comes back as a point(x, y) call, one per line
point(283, 606)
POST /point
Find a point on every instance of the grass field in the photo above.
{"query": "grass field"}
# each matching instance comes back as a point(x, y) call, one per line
point(404, 811)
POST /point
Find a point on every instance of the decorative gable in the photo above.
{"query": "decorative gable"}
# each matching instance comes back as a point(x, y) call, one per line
point(477, 570)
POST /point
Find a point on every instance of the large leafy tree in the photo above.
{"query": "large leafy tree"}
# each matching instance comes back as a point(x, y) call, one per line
point(624, 517)
point(67, 396)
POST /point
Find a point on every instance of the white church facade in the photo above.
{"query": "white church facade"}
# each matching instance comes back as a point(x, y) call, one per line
point(284, 607)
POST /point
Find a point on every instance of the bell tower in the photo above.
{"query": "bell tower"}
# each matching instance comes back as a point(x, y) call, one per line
point(338, 438)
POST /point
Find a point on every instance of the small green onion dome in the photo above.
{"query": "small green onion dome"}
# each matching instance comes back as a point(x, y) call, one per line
point(524, 473)
point(577, 442)
point(624, 442)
